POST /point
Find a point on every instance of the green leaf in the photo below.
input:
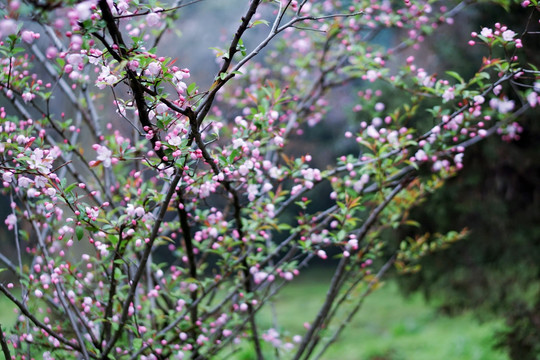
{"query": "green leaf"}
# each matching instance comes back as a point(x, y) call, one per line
point(70, 188)
point(79, 231)
point(233, 155)
point(258, 22)
point(137, 343)
point(192, 87)
point(456, 76)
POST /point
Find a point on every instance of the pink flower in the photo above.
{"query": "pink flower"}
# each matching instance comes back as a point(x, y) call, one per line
point(154, 68)
point(105, 78)
point(448, 94)
point(503, 106)
point(51, 52)
point(175, 140)
point(11, 221)
point(104, 155)
point(372, 132)
point(508, 35)
point(152, 19)
point(40, 163)
point(24, 182)
point(486, 32)
point(29, 36)
point(479, 99)
point(420, 155)
point(28, 96)
point(161, 108)
point(252, 191)
point(74, 59)
point(8, 27)
point(7, 176)
point(372, 75)
point(84, 10)
point(532, 99)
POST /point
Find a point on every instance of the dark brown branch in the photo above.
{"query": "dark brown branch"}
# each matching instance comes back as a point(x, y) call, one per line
point(5, 348)
point(188, 243)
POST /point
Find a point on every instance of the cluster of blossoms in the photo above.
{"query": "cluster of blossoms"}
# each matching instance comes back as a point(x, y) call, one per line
point(152, 219)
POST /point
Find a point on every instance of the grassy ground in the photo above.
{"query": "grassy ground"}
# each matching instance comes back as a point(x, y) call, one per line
point(389, 327)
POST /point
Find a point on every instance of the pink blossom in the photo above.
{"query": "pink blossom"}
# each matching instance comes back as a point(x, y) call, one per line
point(243, 170)
point(508, 35)
point(181, 87)
point(24, 181)
point(133, 211)
point(7, 176)
point(372, 132)
point(40, 181)
point(154, 68)
point(83, 10)
point(479, 99)
point(28, 96)
point(487, 32)
point(105, 78)
point(11, 221)
point(421, 155)
point(161, 108)
point(448, 94)
point(322, 254)
point(296, 189)
point(29, 36)
point(252, 191)
point(372, 75)
point(75, 59)
point(278, 140)
point(532, 99)
point(104, 155)
point(152, 19)
point(175, 140)
point(8, 27)
point(259, 277)
point(39, 161)
point(51, 52)
point(238, 143)
point(503, 106)
point(266, 187)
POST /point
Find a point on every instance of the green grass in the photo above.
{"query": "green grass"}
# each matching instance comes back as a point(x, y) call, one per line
point(388, 326)
point(7, 315)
